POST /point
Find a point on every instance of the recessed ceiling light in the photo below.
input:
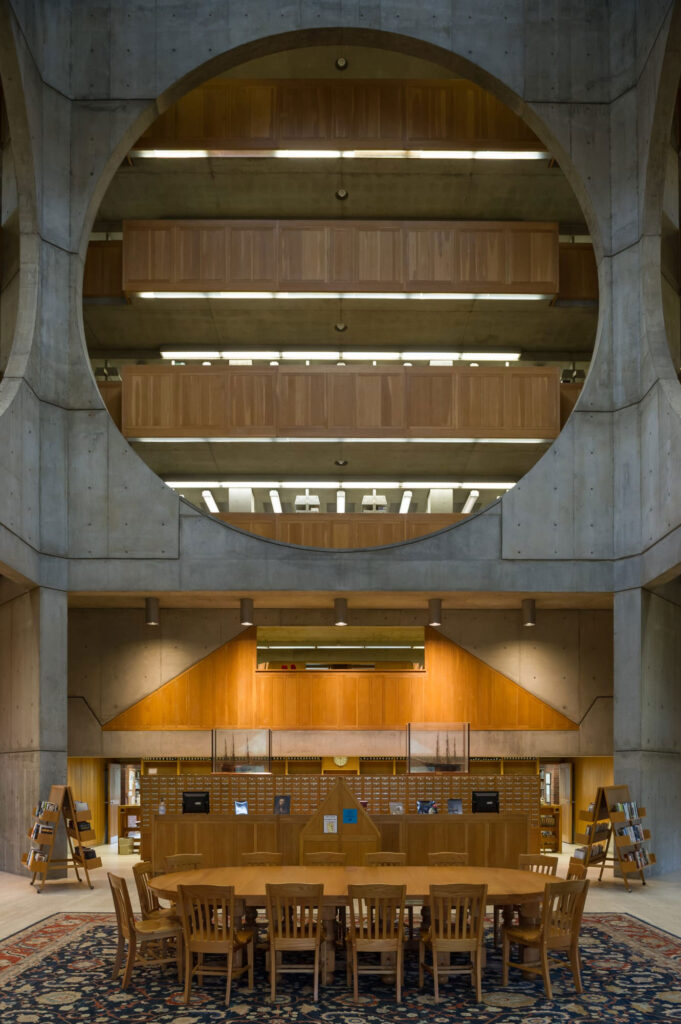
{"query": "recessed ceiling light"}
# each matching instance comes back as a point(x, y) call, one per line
point(341, 193)
point(340, 327)
point(341, 63)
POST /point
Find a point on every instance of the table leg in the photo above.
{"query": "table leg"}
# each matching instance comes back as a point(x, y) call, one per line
point(529, 916)
point(329, 951)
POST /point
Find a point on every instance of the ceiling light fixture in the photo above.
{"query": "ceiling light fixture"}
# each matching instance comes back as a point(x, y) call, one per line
point(529, 612)
point(341, 63)
point(246, 611)
point(340, 502)
point(276, 502)
point(469, 503)
point(211, 503)
point(332, 485)
point(383, 296)
point(340, 611)
point(435, 611)
point(348, 154)
point(340, 327)
point(405, 503)
point(266, 355)
point(341, 193)
point(151, 611)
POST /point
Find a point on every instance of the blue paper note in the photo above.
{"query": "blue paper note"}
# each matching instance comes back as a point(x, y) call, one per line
point(349, 815)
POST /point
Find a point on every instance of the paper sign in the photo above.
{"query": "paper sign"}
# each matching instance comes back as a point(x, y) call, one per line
point(331, 823)
point(349, 815)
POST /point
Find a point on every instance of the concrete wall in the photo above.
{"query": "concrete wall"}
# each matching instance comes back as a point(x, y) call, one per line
point(32, 713)
point(115, 660)
point(600, 511)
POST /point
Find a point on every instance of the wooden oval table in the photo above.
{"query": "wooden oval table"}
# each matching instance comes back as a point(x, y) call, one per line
point(505, 886)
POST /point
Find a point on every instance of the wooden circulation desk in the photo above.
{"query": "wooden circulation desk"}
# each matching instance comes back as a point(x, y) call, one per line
point(491, 840)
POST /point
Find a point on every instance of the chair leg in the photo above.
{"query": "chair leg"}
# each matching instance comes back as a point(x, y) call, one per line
point(506, 952)
point(477, 959)
point(230, 965)
point(436, 979)
point(575, 964)
point(315, 984)
point(355, 980)
point(178, 956)
point(348, 963)
point(130, 962)
point(422, 956)
point(398, 973)
point(188, 965)
point(120, 951)
point(497, 917)
point(545, 973)
point(250, 954)
point(273, 974)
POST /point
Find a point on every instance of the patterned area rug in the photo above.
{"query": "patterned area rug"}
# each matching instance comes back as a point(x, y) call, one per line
point(60, 971)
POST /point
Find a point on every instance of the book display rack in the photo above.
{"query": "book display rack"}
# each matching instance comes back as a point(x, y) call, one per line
point(46, 816)
point(615, 816)
point(550, 831)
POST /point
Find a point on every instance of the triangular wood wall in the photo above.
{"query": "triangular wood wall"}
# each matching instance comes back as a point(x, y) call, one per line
point(225, 691)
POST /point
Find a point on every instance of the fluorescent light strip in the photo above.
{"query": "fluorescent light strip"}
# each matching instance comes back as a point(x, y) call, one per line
point(390, 296)
point(210, 501)
point(341, 440)
point(349, 354)
point(332, 485)
point(336, 154)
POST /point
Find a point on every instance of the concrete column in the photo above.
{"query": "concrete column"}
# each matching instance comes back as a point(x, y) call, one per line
point(32, 714)
point(647, 742)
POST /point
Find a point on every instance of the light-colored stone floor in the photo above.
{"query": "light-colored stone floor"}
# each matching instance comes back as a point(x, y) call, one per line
point(658, 902)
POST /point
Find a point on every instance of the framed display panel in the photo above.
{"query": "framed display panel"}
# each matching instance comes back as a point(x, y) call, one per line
point(438, 747)
point(241, 750)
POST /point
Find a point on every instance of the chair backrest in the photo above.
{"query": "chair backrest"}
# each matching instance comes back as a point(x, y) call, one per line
point(326, 857)
point(447, 857)
point(183, 862)
point(562, 910)
point(538, 863)
point(377, 912)
point(576, 870)
point(293, 911)
point(384, 857)
point(207, 914)
point(121, 900)
point(262, 857)
point(142, 872)
point(457, 913)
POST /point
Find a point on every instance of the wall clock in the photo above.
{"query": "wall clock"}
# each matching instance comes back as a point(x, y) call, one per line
point(340, 761)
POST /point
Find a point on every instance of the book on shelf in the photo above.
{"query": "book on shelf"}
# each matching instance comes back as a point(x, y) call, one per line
point(85, 852)
point(632, 832)
point(46, 807)
point(637, 857)
point(81, 826)
point(628, 807)
point(597, 852)
point(601, 828)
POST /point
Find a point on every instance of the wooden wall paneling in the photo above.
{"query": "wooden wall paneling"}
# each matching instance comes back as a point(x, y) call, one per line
point(148, 255)
point(199, 405)
point(302, 402)
point(303, 254)
point(350, 530)
point(250, 402)
point(578, 273)
point(252, 256)
point(379, 257)
point(112, 396)
point(85, 776)
point(103, 274)
point(482, 258)
point(251, 114)
point(531, 406)
point(532, 258)
point(428, 108)
point(343, 256)
point(590, 773)
point(480, 403)
point(429, 402)
point(219, 692)
point(430, 253)
point(201, 256)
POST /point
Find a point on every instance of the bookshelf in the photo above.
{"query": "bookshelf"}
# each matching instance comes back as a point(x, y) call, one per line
point(550, 828)
point(129, 828)
point(615, 816)
point(39, 859)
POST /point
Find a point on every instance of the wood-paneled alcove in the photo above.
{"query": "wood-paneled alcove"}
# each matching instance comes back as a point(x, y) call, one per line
point(511, 257)
point(256, 114)
point(225, 690)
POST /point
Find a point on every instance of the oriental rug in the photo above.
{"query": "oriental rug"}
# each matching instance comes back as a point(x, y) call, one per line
point(59, 972)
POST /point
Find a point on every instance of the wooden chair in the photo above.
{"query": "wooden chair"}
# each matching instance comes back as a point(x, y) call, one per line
point(265, 857)
point(149, 903)
point(538, 862)
point(384, 858)
point(183, 862)
point(576, 870)
point(376, 926)
point(156, 934)
point(562, 910)
point(447, 858)
point(209, 926)
point(328, 857)
point(294, 914)
point(457, 924)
